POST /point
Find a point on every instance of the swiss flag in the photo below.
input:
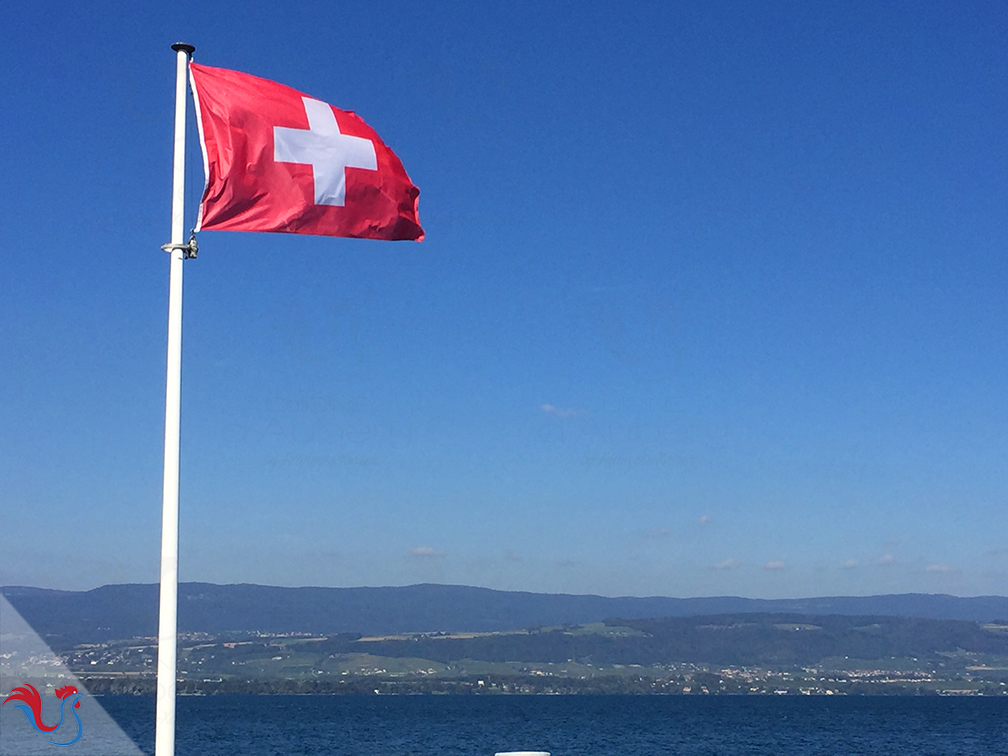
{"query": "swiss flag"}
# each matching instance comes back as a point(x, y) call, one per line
point(278, 160)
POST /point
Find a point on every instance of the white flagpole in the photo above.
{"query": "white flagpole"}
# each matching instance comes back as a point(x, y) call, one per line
point(164, 732)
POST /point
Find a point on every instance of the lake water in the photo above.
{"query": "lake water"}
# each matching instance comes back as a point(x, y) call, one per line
point(569, 725)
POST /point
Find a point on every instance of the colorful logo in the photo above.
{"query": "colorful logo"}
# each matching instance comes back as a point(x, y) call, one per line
point(32, 708)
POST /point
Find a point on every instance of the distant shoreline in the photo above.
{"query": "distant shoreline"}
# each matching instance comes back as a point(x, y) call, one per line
point(525, 687)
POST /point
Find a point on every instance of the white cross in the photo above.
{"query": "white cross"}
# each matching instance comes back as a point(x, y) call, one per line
point(325, 149)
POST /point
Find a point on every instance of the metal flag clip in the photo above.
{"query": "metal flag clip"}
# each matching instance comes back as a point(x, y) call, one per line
point(189, 250)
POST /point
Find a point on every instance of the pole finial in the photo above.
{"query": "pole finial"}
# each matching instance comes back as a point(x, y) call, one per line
point(180, 46)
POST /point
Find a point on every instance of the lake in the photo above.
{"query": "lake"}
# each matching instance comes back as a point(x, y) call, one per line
point(568, 725)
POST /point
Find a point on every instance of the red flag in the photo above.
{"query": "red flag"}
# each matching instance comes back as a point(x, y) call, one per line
point(278, 160)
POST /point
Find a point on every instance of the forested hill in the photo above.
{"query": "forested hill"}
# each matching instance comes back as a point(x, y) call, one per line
point(773, 640)
point(123, 611)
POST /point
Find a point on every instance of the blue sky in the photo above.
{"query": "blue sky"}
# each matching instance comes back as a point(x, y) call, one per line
point(712, 301)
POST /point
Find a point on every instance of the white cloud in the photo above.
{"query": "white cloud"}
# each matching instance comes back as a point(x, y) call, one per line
point(885, 559)
point(561, 412)
point(727, 564)
point(426, 552)
point(773, 566)
point(942, 568)
point(850, 564)
point(659, 533)
point(704, 519)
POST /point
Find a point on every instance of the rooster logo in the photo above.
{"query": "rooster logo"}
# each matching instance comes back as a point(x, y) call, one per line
point(32, 708)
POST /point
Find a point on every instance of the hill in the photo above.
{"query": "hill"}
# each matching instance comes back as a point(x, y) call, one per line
point(774, 640)
point(123, 611)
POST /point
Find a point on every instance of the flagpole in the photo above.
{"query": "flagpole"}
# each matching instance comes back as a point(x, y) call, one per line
point(164, 732)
